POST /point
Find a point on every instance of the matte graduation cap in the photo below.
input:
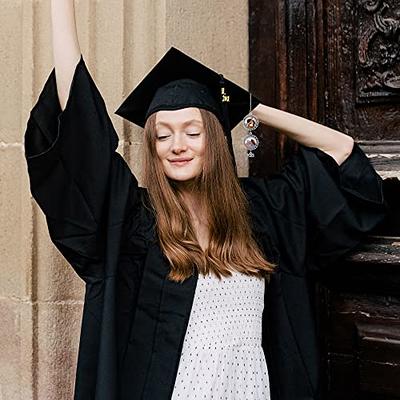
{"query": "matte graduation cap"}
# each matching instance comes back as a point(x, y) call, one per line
point(179, 81)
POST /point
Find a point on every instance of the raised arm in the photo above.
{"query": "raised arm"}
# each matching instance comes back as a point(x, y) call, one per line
point(66, 50)
point(82, 184)
point(308, 133)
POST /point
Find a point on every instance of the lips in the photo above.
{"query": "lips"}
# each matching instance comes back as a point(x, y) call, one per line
point(180, 161)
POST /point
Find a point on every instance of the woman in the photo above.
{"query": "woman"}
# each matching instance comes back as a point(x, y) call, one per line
point(175, 273)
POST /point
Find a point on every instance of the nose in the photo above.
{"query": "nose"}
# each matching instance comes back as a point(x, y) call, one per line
point(178, 143)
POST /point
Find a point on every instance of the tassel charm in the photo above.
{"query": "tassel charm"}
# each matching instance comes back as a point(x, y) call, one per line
point(250, 124)
point(251, 142)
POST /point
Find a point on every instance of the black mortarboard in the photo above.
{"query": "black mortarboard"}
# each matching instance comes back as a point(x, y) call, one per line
point(179, 81)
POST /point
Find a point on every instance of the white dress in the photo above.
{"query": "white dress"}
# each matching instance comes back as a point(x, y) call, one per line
point(222, 357)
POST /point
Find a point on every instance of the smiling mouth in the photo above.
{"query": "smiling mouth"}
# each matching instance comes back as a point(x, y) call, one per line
point(180, 162)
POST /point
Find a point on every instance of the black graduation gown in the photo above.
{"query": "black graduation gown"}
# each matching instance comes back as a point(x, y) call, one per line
point(134, 319)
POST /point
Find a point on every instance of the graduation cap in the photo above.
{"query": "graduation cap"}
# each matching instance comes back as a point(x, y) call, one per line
point(179, 81)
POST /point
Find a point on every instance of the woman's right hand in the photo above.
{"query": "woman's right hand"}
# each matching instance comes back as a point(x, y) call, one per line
point(66, 50)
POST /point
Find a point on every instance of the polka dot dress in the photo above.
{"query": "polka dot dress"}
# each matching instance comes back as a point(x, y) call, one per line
point(222, 357)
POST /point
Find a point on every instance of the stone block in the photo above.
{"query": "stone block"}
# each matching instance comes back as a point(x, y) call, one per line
point(16, 351)
point(10, 55)
point(57, 343)
point(242, 160)
point(15, 222)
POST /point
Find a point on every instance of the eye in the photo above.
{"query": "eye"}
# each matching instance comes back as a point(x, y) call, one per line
point(194, 134)
point(162, 137)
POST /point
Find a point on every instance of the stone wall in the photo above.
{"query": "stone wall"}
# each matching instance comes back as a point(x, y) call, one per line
point(40, 295)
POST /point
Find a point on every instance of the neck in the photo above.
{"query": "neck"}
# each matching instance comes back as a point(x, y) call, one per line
point(193, 201)
point(194, 204)
point(191, 193)
point(192, 198)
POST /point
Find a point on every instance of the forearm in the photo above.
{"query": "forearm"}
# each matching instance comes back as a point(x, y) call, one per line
point(66, 51)
point(306, 132)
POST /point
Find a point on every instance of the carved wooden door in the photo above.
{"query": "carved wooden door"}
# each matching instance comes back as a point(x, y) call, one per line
point(338, 62)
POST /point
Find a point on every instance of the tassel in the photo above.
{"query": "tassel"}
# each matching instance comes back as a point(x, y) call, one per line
point(225, 116)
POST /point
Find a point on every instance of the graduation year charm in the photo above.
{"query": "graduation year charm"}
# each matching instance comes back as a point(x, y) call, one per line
point(251, 142)
point(250, 123)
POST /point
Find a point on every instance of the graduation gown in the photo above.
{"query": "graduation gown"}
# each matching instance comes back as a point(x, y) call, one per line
point(134, 320)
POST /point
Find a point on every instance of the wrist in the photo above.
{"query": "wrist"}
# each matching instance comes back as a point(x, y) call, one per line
point(257, 111)
point(263, 113)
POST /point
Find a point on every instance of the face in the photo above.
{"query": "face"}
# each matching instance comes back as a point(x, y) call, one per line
point(180, 142)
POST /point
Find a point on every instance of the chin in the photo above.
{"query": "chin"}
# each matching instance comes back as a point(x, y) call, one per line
point(182, 176)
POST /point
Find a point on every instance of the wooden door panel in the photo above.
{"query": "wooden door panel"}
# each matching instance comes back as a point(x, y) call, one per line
point(362, 58)
point(338, 62)
point(358, 314)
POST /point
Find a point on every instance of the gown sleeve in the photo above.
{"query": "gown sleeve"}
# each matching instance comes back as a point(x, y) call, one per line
point(318, 210)
point(80, 182)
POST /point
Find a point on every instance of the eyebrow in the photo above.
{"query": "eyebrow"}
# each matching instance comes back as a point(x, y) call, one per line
point(192, 121)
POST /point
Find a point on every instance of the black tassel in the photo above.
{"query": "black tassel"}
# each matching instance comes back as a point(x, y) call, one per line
point(225, 116)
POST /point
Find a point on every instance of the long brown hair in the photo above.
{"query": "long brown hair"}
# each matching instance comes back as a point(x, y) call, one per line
point(231, 243)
